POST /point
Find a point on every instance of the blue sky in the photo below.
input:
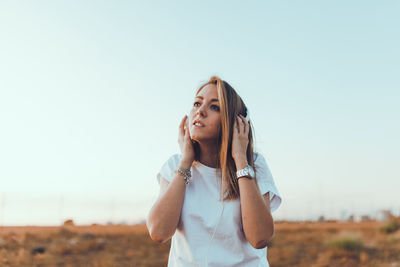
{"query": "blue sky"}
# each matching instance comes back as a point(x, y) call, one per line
point(91, 96)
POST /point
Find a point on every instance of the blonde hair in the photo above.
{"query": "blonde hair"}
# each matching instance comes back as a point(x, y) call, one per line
point(231, 104)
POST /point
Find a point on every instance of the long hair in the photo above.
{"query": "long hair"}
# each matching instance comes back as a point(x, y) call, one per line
point(231, 104)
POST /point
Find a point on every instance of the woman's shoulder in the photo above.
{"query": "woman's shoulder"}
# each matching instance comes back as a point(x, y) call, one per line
point(260, 160)
point(257, 156)
point(174, 159)
point(167, 169)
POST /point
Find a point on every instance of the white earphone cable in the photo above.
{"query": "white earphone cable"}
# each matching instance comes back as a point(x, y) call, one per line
point(206, 259)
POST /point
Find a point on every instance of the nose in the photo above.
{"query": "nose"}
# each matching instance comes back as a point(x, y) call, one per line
point(200, 111)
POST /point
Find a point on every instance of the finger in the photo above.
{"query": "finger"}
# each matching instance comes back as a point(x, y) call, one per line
point(240, 124)
point(245, 124)
point(182, 122)
point(236, 126)
point(187, 133)
point(182, 125)
point(247, 127)
point(242, 128)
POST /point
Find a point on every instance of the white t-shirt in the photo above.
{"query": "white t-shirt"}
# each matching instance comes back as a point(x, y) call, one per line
point(201, 212)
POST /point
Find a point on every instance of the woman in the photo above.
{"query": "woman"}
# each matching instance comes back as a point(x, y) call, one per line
point(216, 197)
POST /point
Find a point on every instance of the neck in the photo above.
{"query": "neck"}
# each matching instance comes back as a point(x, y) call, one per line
point(208, 154)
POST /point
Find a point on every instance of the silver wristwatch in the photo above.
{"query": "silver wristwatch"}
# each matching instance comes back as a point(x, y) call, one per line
point(245, 172)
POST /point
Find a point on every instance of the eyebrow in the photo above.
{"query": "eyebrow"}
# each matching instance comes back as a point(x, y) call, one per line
point(212, 100)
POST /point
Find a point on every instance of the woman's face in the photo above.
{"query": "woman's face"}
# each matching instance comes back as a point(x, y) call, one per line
point(206, 109)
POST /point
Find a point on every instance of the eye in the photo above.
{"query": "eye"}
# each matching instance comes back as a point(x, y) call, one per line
point(217, 108)
point(213, 106)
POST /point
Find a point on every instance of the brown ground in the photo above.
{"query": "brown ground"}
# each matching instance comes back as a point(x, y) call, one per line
point(308, 244)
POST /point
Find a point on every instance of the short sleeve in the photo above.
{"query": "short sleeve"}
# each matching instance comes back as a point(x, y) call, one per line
point(266, 182)
point(168, 168)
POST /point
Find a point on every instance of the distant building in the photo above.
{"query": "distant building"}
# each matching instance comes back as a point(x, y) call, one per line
point(350, 218)
point(365, 218)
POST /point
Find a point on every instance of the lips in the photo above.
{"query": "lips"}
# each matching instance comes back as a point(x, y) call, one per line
point(198, 121)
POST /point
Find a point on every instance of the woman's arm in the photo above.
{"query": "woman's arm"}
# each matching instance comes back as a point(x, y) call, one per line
point(258, 224)
point(163, 217)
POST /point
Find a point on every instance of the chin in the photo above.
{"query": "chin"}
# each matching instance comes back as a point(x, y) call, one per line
point(200, 139)
point(196, 137)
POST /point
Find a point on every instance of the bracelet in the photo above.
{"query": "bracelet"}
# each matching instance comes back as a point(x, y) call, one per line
point(185, 173)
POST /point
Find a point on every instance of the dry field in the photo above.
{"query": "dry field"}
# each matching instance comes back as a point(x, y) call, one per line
point(308, 244)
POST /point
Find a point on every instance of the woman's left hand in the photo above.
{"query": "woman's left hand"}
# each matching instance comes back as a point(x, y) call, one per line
point(240, 139)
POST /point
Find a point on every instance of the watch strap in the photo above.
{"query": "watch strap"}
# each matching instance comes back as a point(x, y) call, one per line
point(245, 172)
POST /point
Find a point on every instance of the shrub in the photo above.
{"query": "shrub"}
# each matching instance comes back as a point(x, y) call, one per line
point(352, 244)
point(69, 222)
point(391, 226)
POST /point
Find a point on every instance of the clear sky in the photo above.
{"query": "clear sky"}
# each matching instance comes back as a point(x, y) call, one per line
point(92, 93)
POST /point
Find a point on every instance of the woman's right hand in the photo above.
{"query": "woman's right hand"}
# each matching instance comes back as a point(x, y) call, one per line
point(185, 141)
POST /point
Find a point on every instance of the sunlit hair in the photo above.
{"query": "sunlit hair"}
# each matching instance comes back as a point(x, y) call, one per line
point(231, 104)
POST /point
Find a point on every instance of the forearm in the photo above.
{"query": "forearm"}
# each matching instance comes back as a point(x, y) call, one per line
point(164, 216)
point(257, 221)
